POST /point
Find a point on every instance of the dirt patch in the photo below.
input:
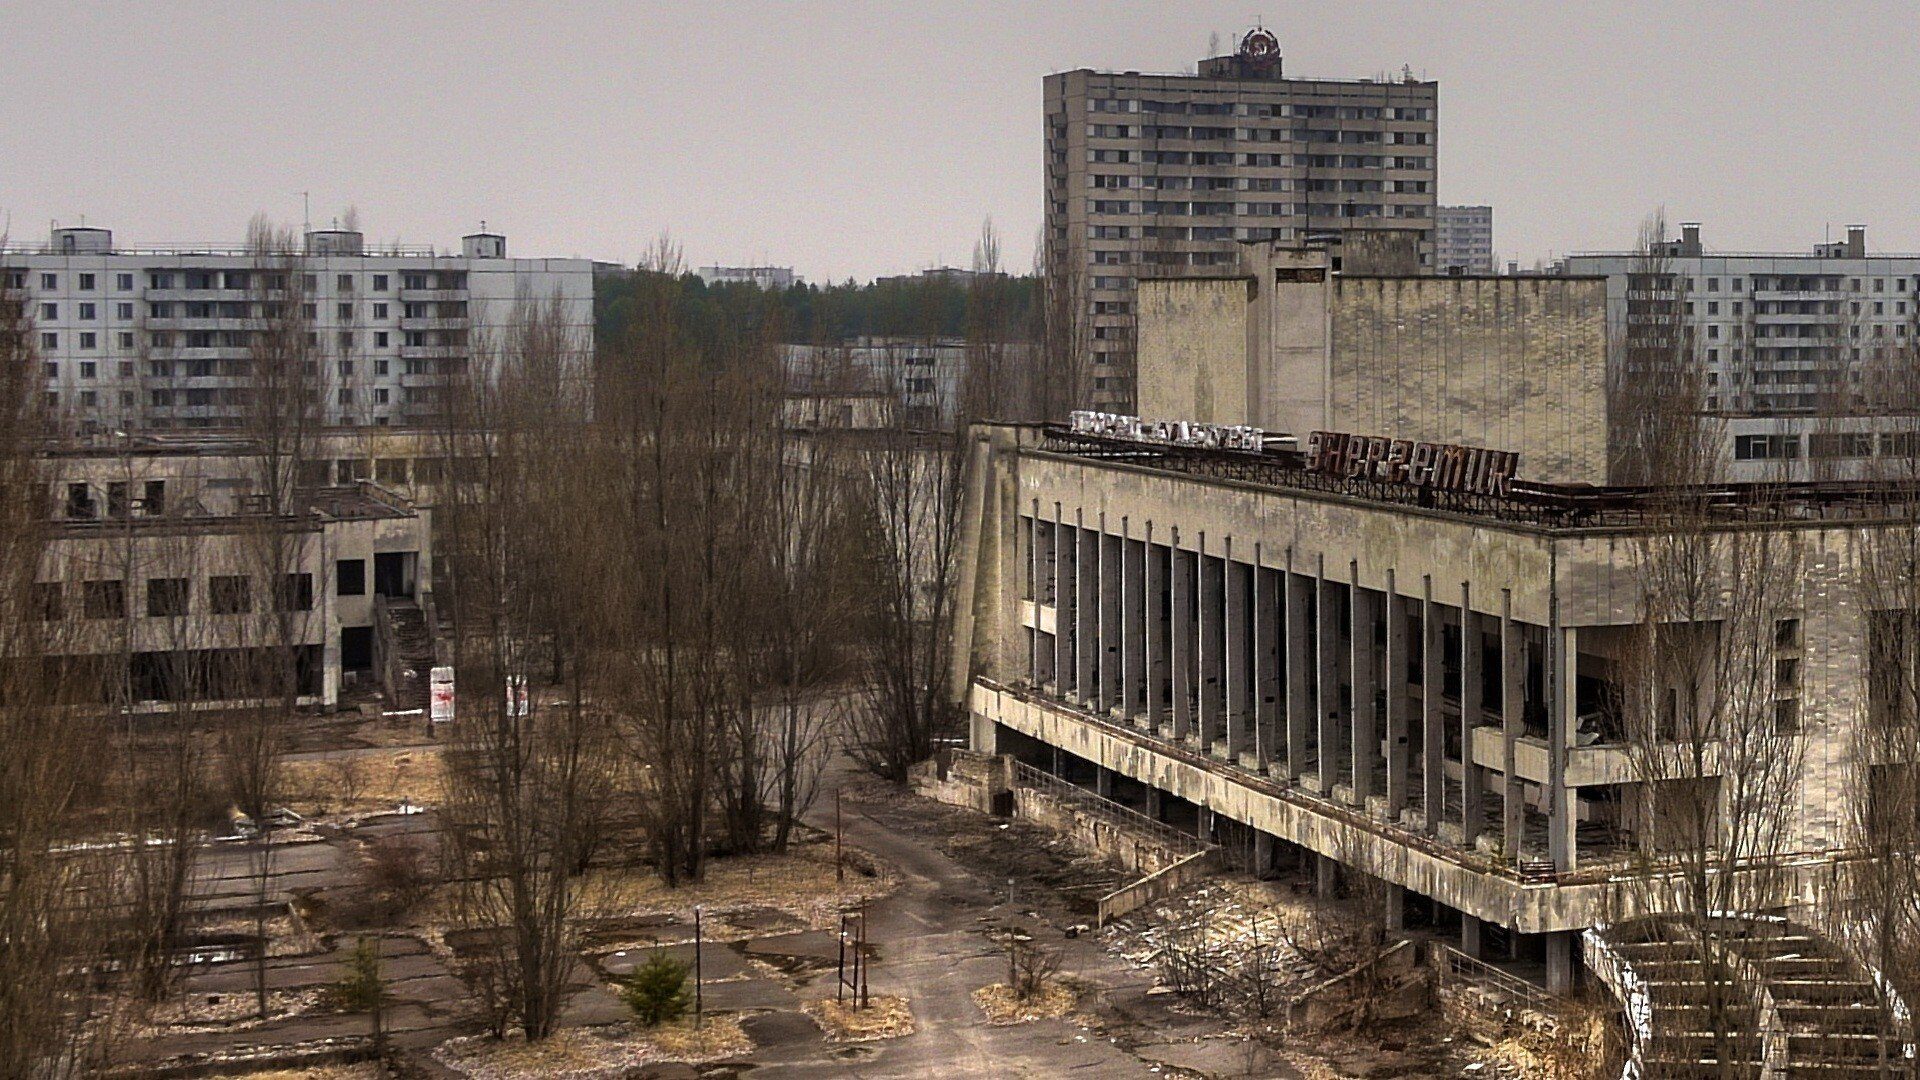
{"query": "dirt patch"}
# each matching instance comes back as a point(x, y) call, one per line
point(600, 1053)
point(362, 1071)
point(363, 783)
point(746, 895)
point(188, 1012)
point(883, 1018)
point(1003, 1006)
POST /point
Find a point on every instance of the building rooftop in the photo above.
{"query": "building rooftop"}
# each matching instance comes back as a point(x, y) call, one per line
point(1526, 504)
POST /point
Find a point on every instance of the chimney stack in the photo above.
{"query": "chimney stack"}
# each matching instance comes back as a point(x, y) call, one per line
point(1690, 239)
point(1856, 241)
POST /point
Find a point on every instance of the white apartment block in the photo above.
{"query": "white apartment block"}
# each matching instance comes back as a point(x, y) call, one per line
point(1154, 176)
point(1463, 238)
point(766, 277)
point(159, 338)
point(1784, 339)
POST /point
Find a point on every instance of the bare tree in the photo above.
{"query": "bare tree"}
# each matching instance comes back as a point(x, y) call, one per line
point(1717, 764)
point(1063, 335)
point(910, 503)
point(55, 902)
point(1879, 913)
point(528, 781)
point(281, 421)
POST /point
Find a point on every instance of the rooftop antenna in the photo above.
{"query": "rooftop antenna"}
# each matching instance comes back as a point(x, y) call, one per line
point(306, 211)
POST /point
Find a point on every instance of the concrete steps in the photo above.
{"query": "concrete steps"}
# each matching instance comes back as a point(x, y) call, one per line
point(1798, 1003)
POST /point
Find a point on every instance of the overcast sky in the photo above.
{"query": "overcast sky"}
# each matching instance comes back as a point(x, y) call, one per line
point(862, 139)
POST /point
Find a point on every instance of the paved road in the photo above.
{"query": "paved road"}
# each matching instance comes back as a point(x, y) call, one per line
point(935, 952)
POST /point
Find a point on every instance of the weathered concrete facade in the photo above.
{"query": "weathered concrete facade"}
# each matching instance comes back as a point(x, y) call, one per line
point(163, 562)
point(1295, 345)
point(1407, 692)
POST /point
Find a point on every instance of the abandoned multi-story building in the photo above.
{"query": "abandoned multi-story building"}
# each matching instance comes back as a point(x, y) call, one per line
point(171, 578)
point(153, 338)
point(1463, 239)
point(1405, 667)
point(1152, 175)
point(1792, 350)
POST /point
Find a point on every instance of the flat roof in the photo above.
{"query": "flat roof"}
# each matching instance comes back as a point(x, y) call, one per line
point(1529, 503)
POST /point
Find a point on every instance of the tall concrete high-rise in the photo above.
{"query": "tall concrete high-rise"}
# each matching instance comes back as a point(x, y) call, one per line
point(1159, 175)
point(1464, 239)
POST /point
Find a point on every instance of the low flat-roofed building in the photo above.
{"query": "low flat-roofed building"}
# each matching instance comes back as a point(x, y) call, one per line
point(171, 575)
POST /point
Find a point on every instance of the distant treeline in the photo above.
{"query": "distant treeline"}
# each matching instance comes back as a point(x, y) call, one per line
point(823, 314)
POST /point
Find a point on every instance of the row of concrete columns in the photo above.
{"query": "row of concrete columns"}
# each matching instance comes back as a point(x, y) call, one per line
point(1201, 640)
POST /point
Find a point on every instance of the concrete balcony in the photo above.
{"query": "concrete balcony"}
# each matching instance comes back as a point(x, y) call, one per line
point(430, 352)
point(1587, 766)
point(1036, 616)
point(459, 323)
point(429, 295)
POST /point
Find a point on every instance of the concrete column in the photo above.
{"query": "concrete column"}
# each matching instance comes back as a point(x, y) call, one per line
point(1473, 778)
point(1364, 678)
point(1064, 580)
point(1560, 961)
point(1326, 878)
point(1181, 574)
point(1033, 590)
point(1159, 650)
point(1563, 721)
point(1470, 937)
point(1154, 802)
point(1237, 634)
point(1399, 772)
point(1103, 781)
point(1133, 644)
point(1111, 619)
point(1203, 824)
point(1329, 710)
point(1262, 854)
point(1086, 615)
point(1267, 658)
point(1396, 913)
point(983, 735)
point(1513, 688)
point(1433, 678)
point(1299, 666)
point(1212, 646)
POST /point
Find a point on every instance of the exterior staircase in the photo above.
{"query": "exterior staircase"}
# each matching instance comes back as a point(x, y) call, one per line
point(406, 642)
point(1791, 1002)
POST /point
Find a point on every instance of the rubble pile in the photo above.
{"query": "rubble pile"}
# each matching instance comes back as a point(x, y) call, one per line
point(1222, 943)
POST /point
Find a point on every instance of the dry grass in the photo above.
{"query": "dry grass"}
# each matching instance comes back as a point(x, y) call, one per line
point(719, 1037)
point(883, 1018)
point(1056, 999)
point(800, 883)
point(363, 783)
point(604, 1053)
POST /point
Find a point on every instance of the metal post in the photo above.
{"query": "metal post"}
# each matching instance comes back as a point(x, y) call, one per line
point(861, 953)
point(699, 990)
point(839, 867)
